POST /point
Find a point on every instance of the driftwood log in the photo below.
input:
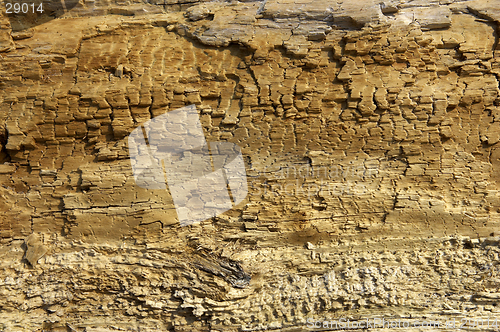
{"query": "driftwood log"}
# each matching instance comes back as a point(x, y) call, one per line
point(370, 135)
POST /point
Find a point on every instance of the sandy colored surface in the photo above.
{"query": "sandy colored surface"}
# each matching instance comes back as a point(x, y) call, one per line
point(370, 135)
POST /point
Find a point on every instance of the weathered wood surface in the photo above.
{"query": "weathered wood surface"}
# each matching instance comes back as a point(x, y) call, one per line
point(370, 134)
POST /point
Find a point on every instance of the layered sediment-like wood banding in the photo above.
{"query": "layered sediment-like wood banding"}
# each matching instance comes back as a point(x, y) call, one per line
point(380, 141)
